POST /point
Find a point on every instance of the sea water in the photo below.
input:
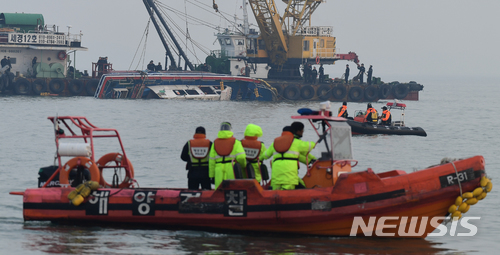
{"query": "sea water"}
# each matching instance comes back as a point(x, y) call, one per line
point(460, 120)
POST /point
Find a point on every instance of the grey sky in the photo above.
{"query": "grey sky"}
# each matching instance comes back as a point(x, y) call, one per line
point(402, 39)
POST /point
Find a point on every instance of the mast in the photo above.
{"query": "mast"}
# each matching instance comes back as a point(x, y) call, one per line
point(246, 27)
point(179, 48)
point(164, 42)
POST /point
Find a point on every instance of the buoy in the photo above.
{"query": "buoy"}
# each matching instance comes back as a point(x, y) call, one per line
point(471, 201)
point(467, 195)
point(456, 215)
point(482, 196)
point(85, 191)
point(462, 207)
point(93, 185)
point(452, 209)
point(76, 191)
point(466, 209)
point(477, 192)
point(489, 186)
point(458, 201)
point(77, 200)
point(484, 181)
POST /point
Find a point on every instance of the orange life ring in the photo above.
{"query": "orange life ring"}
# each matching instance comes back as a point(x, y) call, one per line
point(111, 157)
point(317, 60)
point(72, 163)
point(62, 55)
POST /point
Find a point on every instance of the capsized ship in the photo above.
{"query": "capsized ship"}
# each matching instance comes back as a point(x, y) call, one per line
point(335, 202)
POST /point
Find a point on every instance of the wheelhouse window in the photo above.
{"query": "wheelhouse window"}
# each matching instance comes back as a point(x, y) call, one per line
point(306, 46)
point(228, 41)
point(240, 42)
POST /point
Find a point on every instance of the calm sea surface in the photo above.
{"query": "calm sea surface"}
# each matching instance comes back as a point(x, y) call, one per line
point(460, 119)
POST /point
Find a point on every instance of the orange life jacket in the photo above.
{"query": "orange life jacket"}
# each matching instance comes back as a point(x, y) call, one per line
point(223, 147)
point(199, 146)
point(252, 147)
point(385, 115)
point(283, 143)
point(373, 113)
point(342, 111)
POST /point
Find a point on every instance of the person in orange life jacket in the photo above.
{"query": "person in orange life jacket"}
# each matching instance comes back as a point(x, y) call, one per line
point(195, 152)
point(253, 148)
point(225, 149)
point(343, 110)
point(386, 118)
point(371, 114)
point(286, 151)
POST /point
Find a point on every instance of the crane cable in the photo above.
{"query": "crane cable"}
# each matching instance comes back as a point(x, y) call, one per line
point(144, 35)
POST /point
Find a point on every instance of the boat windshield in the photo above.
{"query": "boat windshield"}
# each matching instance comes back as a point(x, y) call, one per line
point(341, 140)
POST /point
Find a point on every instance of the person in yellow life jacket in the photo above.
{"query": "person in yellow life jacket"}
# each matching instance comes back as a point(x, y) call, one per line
point(298, 132)
point(386, 118)
point(343, 110)
point(253, 148)
point(195, 153)
point(285, 151)
point(225, 149)
point(371, 114)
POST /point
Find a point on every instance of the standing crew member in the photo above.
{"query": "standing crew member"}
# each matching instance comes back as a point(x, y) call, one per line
point(253, 148)
point(369, 76)
point(298, 132)
point(151, 66)
point(195, 153)
point(225, 149)
point(371, 114)
point(343, 110)
point(386, 118)
point(286, 151)
point(361, 72)
point(321, 74)
point(314, 74)
point(346, 75)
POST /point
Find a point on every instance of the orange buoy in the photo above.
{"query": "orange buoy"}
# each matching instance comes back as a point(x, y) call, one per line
point(115, 157)
point(73, 163)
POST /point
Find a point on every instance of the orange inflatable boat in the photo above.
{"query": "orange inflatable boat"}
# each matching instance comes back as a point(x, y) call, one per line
point(336, 202)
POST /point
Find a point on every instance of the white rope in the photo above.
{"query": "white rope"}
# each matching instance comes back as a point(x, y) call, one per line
point(458, 179)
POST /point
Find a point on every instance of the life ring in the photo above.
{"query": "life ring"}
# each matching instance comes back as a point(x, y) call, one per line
point(39, 86)
point(383, 91)
point(317, 60)
point(306, 92)
point(22, 87)
point(355, 93)
point(75, 87)
point(339, 92)
point(73, 163)
point(91, 87)
point(111, 157)
point(401, 91)
point(291, 92)
point(242, 71)
point(56, 86)
point(62, 55)
point(370, 93)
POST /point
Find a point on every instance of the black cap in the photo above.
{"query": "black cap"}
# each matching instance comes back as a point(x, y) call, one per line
point(369, 105)
point(288, 128)
point(200, 130)
point(344, 103)
point(297, 126)
point(384, 107)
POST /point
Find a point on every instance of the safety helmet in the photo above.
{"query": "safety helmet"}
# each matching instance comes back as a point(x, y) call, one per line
point(369, 105)
point(384, 107)
point(225, 126)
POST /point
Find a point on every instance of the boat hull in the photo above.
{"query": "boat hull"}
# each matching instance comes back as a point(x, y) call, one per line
point(373, 129)
point(244, 205)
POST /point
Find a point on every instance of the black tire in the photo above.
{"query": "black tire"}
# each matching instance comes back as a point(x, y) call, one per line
point(279, 89)
point(91, 87)
point(75, 87)
point(39, 86)
point(324, 92)
point(22, 87)
point(339, 92)
point(370, 93)
point(291, 92)
point(356, 93)
point(56, 86)
point(383, 91)
point(306, 92)
point(238, 172)
point(401, 91)
point(250, 171)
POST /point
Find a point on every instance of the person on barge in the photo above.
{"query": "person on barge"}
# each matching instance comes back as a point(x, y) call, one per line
point(225, 149)
point(195, 152)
